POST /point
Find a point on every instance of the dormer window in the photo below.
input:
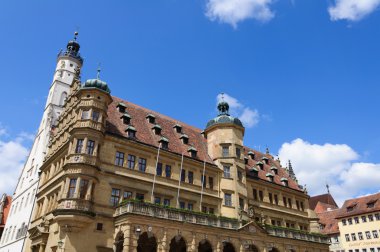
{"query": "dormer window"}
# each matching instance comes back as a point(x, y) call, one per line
point(193, 152)
point(265, 159)
point(284, 181)
point(126, 118)
point(251, 154)
point(131, 132)
point(121, 107)
point(245, 160)
point(270, 177)
point(274, 169)
point(351, 208)
point(203, 134)
point(254, 171)
point(260, 165)
point(151, 118)
point(157, 129)
point(164, 143)
point(184, 138)
point(371, 204)
point(178, 128)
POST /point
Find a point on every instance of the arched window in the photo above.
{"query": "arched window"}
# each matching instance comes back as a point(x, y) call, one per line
point(228, 247)
point(62, 100)
point(119, 242)
point(147, 243)
point(204, 246)
point(177, 244)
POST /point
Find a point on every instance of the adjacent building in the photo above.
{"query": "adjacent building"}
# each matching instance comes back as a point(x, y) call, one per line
point(120, 177)
point(25, 192)
point(5, 205)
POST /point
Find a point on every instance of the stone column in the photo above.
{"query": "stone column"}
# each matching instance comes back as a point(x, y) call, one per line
point(77, 185)
point(164, 241)
point(42, 248)
point(89, 190)
point(219, 246)
point(127, 238)
point(65, 188)
point(84, 147)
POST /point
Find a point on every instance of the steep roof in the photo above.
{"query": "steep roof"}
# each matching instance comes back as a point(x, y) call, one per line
point(324, 198)
point(329, 221)
point(145, 135)
point(323, 207)
point(362, 205)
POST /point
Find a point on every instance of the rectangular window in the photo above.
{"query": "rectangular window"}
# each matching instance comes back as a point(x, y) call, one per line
point(225, 151)
point(168, 171)
point(183, 175)
point(349, 220)
point(353, 237)
point(360, 236)
point(240, 176)
point(83, 188)
point(238, 153)
point(142, 164)
point(157, 200)
point(270, 198)
point(211, 182)
point(344, 222)
point(372, 249)
point(364, 250)
point(285, 202)
point(290, 202)
point(261, 195)
point(204, 209)
point(131, 133)
point(115, 196)
point(190, 206)
point(140, 196)
point(119, 158)
point(127, 195)
point(241, 203)
point(368, 235)
point(159, 169)
point(131, 161)
point(276, 199)
point(190, 177)
point(72, 184)
point(370, 217)
point(204, 181)
point(254, 191)
point(85, 114)
point(226, 170)
point(356, 219)
point(95, 115)
point(227, 199)
point(364, 219)
point(377, 216)
point(79, 147)
point(90, 147)
point(211, 210)
point(302, 207)
point(298, 205)
point(347, 237)
point(375, 234)
point(182, 204)
point(166, 202)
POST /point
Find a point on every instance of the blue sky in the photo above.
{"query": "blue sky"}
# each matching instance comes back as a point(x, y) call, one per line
point(305, 72)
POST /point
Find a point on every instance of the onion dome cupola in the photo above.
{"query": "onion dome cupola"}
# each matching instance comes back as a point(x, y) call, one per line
point(96, 83)
point(224, 117)
point(72, 49)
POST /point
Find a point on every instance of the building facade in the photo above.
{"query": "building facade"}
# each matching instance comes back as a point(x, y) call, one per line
point(359, 224)
point(26, 189)
point(120, 177)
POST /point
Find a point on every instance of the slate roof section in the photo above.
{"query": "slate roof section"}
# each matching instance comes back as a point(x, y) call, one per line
point(324, 198)
point(360, 206)
point(145, 134)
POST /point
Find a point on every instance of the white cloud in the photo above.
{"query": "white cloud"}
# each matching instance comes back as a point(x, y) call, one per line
point(234, 11)
point(12, 157)
point(249, 117)
point(335, 164)
point(352, 10)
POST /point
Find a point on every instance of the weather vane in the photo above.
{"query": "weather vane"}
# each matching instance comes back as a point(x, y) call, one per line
point(98, 70)
point(75, 35)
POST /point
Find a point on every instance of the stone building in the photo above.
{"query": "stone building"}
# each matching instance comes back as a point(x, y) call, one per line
point(120, 177)
point(5, 205)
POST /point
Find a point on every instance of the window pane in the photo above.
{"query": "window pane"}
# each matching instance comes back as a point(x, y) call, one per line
point(72, 185)
point(159, 169)
point(190, 176)
point(90, 147)
point(142, 164)
point(78, 148)
point(83, 188)
point(119, 159)
point(168, 171)
point(131, 161)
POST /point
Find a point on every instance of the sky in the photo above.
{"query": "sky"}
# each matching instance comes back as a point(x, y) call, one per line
point(302, 75)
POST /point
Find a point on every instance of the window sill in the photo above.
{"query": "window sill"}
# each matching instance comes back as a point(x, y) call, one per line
point(229, 206)
point(228, 178)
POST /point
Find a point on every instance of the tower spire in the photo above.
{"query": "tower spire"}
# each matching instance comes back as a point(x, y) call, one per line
point(98, 72)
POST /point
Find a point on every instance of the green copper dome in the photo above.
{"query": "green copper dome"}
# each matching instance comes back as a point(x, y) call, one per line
point(224, 117)
point(97, 83)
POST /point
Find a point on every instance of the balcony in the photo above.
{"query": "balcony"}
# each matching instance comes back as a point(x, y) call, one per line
point(158, 211)
point(72, 207)
point(296, 234)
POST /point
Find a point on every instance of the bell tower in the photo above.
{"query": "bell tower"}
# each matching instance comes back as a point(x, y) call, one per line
point(69, 63)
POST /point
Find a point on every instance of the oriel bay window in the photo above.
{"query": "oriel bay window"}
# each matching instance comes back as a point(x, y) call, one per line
point(72, 185)
point(90, 147)
point(227, 172)
point(227, 199)
point(79, 147)
point(83, 186)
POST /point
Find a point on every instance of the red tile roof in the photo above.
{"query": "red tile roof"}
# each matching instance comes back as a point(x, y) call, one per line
point(323, 207)
point(360, 206)
point(145, 134)
point(329, 221)
point(324, 198)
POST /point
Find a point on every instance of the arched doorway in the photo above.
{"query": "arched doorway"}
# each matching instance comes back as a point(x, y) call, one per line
point(177, 244)
point(204, 246)
point(119, 242)
point(252, 248)
point(147, 243)
point(228, 247)
point(274, 250)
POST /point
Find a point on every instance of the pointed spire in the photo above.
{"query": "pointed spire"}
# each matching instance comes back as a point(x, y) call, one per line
point(267, 150)
point(328, 188)
point(291, 171)
point(223, 106)
point(98, 72)
point(75, 35)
